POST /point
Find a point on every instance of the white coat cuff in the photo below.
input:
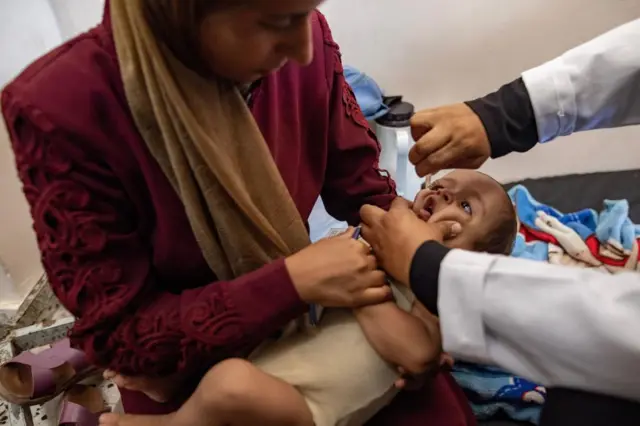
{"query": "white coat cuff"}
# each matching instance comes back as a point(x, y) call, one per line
point(460, 304)
point(553, 99)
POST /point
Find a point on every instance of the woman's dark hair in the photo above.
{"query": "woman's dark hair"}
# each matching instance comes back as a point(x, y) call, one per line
point(176, 23)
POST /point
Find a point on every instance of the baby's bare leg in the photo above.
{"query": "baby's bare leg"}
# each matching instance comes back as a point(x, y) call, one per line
point(233, 393)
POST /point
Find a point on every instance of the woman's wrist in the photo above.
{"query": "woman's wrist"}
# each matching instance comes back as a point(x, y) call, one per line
point(301, 275)
point(265, 299)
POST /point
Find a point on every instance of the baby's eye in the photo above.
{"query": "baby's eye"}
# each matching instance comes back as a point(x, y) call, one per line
point(467, 207)
point(435, 186)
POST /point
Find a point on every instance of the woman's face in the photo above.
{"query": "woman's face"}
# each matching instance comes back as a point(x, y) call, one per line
point(245, 43)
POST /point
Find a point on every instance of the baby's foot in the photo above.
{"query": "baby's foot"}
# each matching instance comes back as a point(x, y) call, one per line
point(112, 419)
point(160, 390)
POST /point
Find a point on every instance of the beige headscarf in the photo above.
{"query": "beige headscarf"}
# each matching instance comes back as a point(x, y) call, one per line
point(207, 143)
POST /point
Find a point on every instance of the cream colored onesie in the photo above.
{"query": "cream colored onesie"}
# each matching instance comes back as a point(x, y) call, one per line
point(342, 378)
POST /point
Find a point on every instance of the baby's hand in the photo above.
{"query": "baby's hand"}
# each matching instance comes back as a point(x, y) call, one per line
point(410, 382)
point(446, 361)
point(413, 383)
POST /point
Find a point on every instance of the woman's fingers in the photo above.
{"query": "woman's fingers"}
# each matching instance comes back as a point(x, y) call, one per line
point(374, 279)
point(372, 296)
point(372, 289)
point(371, 215)
point(372, 262)
point(346, 234)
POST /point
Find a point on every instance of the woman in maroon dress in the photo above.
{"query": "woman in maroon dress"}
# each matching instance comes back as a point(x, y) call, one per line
point(125, 243)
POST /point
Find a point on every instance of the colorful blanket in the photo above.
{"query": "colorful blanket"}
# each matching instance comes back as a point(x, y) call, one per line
point(607, 241)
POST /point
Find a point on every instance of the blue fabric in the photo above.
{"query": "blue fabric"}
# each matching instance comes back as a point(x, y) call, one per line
point(533, 250)
point(611, 226)
point(368, 93)
point(615, 226)
point(584, 222)
point(492, 390)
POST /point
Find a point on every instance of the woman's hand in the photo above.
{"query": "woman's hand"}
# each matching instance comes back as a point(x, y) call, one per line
point(449, 137)
point(338, 272)
point(395, 236)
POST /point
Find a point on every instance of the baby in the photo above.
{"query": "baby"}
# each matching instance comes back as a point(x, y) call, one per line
point(343, 371)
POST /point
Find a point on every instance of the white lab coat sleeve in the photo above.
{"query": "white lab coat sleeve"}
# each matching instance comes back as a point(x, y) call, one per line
point(593, 86)
point(555, 325)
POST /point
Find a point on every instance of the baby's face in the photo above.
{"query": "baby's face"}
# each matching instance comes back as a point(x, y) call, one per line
point(468, 197)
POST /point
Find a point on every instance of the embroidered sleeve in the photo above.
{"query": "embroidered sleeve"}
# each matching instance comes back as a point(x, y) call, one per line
point(353, 176)
point(98, 261)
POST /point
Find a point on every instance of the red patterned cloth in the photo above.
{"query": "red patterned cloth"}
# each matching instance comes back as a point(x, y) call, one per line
point(595, 246)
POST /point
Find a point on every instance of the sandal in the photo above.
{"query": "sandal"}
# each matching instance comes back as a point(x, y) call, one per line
point(82, 406)
point(31, 379)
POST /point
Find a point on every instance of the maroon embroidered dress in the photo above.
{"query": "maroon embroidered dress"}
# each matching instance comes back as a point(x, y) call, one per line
point(114, 237)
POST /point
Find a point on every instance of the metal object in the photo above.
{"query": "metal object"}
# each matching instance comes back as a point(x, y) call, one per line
point(36, 336)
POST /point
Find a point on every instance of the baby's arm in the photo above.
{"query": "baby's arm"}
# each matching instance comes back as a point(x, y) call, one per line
point(409, 340)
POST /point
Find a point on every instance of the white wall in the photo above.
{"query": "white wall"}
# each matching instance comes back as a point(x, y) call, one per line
point(28, 29)
point(76, 16)
point(441, 51)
